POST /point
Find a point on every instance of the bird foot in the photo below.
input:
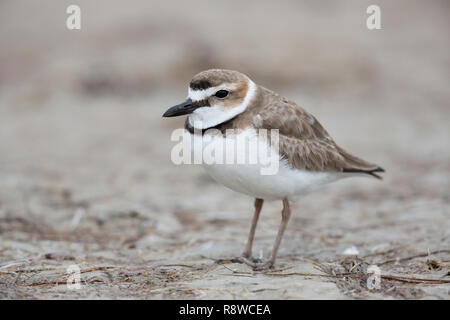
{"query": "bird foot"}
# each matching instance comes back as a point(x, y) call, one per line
point(257, 264)
point(250, 261)
point(263, 266)
point(254, 263)
point(228, 260)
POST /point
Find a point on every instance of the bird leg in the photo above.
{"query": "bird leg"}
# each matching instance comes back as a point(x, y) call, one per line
point(246, 256)
point(285, 215)
point(248, 248)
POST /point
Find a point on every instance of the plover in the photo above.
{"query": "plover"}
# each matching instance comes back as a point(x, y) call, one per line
point(308, 157)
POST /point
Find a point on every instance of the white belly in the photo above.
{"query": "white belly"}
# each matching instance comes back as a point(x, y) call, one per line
point(287, 183)
point(247, 178)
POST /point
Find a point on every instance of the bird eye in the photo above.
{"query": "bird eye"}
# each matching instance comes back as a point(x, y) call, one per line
point(221, 94)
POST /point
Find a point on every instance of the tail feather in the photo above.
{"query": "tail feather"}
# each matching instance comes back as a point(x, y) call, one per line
point(370, 171)
point(358, 165)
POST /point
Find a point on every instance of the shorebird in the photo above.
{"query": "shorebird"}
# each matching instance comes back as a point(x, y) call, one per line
point(308, 157)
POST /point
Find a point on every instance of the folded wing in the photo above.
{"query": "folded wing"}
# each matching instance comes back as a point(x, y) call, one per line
point(306, 145)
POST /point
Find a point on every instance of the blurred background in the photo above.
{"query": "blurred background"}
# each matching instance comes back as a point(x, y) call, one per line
point(85, 163)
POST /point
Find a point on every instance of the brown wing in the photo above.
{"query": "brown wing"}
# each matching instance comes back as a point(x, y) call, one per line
point(305, 144)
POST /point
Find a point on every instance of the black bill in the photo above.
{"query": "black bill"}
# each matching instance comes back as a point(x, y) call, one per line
point(183, 108)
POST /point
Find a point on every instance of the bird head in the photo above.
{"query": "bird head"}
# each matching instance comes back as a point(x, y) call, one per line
point(214, 97)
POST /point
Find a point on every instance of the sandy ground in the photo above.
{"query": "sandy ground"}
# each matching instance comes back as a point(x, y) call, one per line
point(86, 177)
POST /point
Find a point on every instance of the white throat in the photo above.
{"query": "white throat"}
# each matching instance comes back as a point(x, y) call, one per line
point(207, 117)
